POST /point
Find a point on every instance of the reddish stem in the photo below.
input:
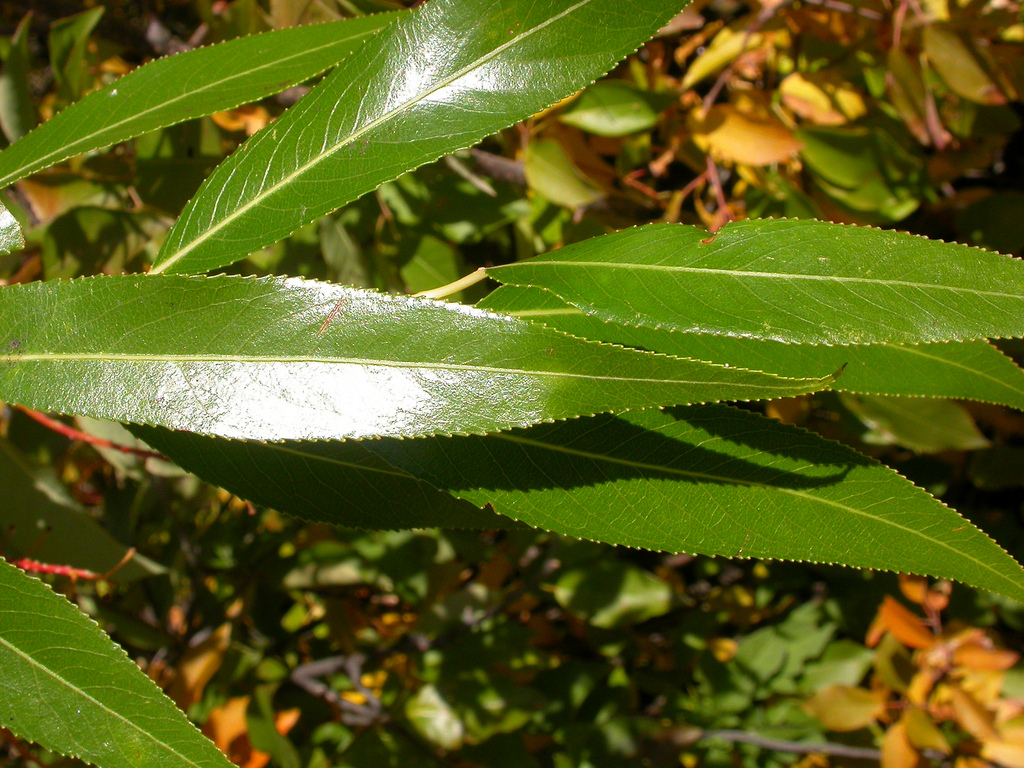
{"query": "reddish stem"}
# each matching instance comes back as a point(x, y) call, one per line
point(73, 434)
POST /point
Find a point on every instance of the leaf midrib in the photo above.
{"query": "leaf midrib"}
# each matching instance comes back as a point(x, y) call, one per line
point(114, 713)
point(596, 457)
point(404, 106)
point(365, 362)
point(754, 274)
point(69, 150)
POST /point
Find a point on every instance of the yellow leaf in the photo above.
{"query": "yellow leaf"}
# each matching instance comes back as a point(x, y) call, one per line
point(923, 733)
point(897, 751)
point(730, 135)
point(845, 708)
point(971, 716)
point(822, 97)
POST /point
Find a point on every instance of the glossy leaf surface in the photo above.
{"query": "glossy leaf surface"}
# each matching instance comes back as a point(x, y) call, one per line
point(285, 358)
point(68, 687)
point(973, 370)
point(791, 281)
point(433, 82)
point(341, 483)
point(11, 238)
point(186, 86)
point(713, 480)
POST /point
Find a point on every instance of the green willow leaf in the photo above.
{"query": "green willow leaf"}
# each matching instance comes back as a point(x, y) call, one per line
point(286, 358)
point(791, 281)
point(433, 82)
point(713, 480)
point(970, 370)
point(341, 483)
point(69, 688)
point(186, 86)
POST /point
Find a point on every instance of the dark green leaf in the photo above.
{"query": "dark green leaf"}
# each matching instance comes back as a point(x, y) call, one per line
point(17, 112)
point(341, 483)
point(285, 358)
point(40, 520)
point(713, 480)
point(68, 39)
point(187, 86)
point(433, 82)
point(973, 370)
point(69, 688)
point(792, 281)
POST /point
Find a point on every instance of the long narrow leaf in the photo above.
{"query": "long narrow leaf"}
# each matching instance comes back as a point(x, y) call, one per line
point(433, 82)
point(791, 281)
point(713, 480)
point(67, 687)
point(972, 370)
point(341, 483)
point(285, 358)
point(186, 86)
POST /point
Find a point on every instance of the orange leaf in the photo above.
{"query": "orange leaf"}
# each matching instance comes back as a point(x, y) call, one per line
point(198, 666)
point(971, 716)
point(976, 656)
point(904, 625)
point(897, 751)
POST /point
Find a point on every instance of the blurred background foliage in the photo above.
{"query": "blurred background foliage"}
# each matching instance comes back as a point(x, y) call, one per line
point(308, 646)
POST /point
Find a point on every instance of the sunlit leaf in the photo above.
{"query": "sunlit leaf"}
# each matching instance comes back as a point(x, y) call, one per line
point(69, 688)
point(792, 281)
point(186, 86)
point(285, 358)
point(433, 82)
point(973, 370)
point(11, 238)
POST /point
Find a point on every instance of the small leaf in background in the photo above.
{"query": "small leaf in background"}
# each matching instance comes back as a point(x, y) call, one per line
point(958, 66)
point(551, 173)
point(615, 108)
point(90, 700)
point(11, 238)
point(17, 112)
point(822, 97)
point(199, 666)
point(69, 38)
point(728, 134)
point(434, 719)
point(40, 520)
point(926, 425)
point(792, 281)
point(609, 594)
point(724, 49)
point(844, 708)
point(863, 168)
